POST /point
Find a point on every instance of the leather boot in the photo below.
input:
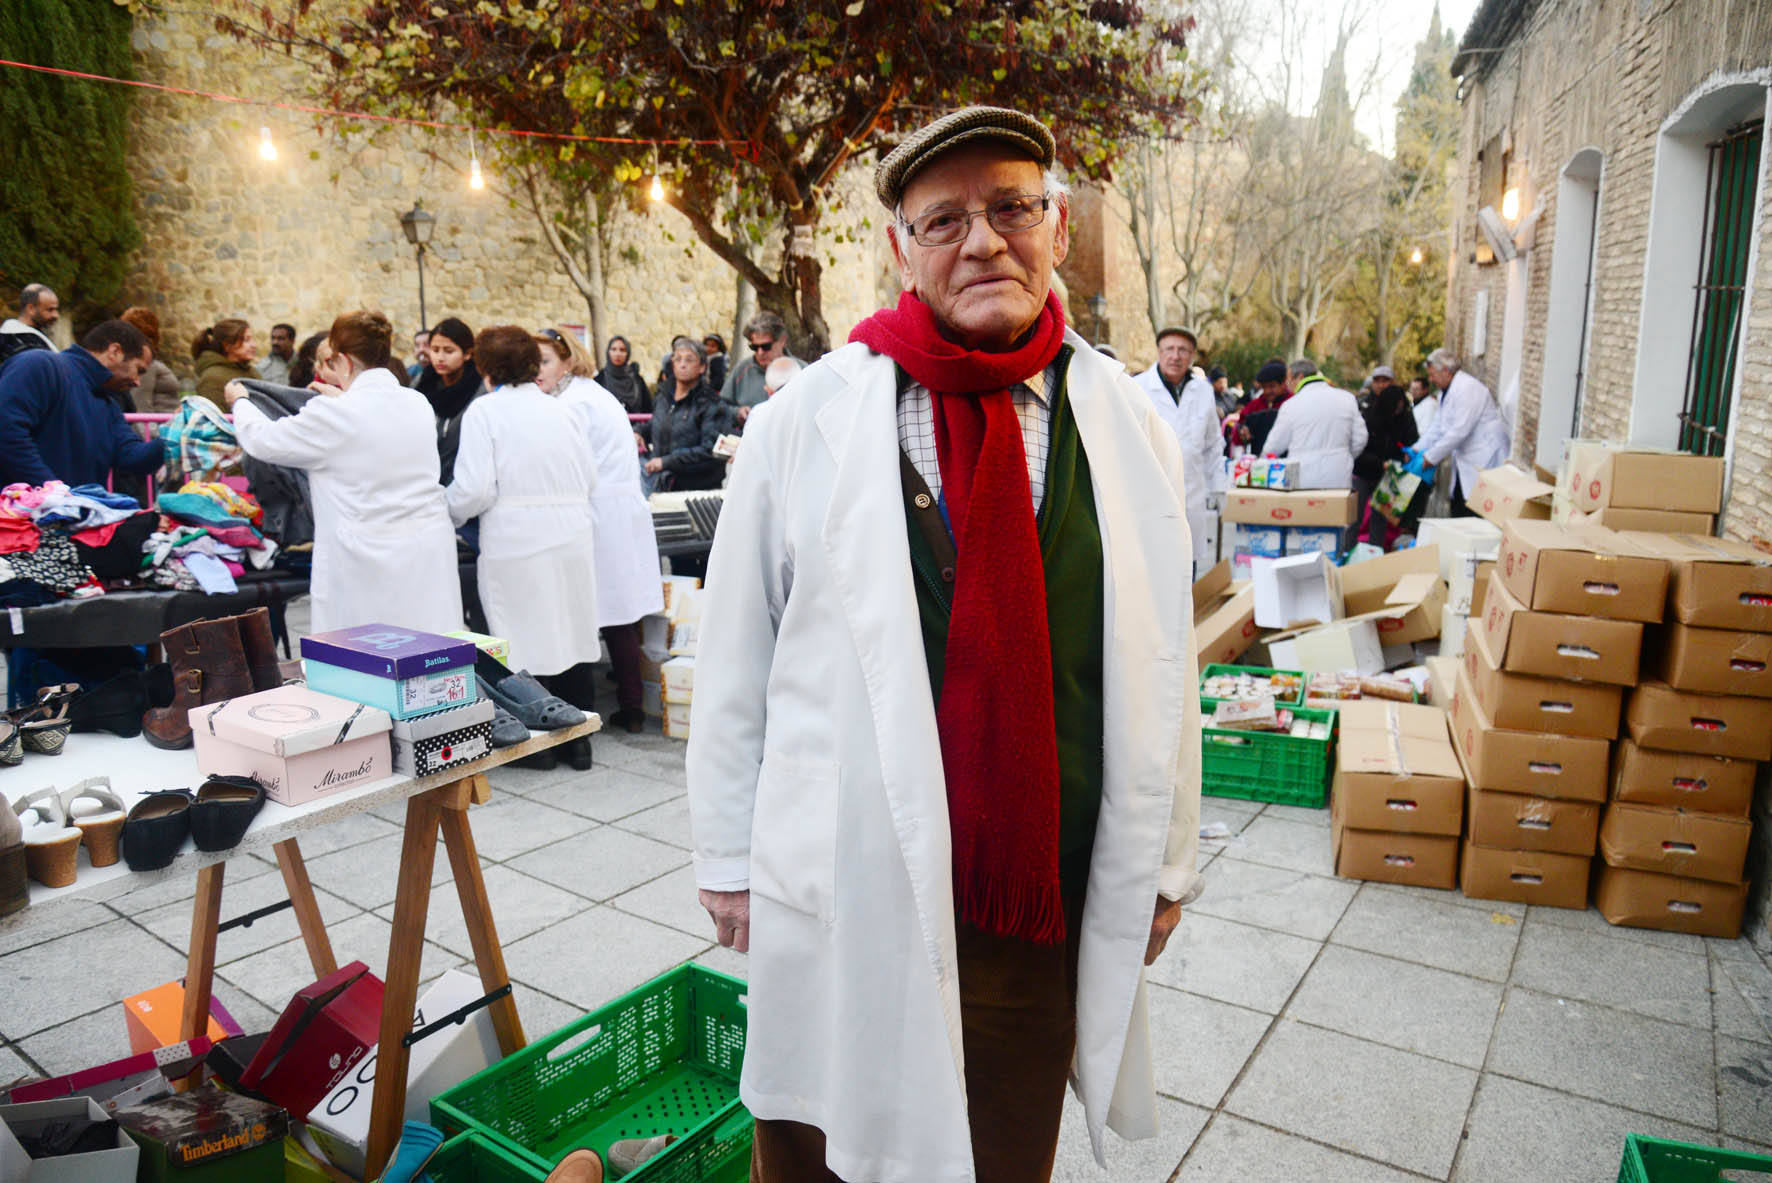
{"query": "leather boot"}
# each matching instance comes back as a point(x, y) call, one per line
point(260, 649)
point(208, 665)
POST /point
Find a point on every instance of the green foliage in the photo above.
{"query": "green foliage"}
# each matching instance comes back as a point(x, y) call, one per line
point(65, 187)
point(781, 94)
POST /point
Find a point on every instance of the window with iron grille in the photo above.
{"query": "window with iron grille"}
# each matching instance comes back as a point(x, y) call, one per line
point(1720, 295)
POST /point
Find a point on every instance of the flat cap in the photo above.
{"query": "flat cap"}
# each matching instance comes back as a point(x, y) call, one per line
point(1020, 131)
point(1385, 372)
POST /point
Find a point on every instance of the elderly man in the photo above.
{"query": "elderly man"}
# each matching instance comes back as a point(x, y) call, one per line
point(1187, 404)
point(944, 773)
point(1320, 426)
point(781, 371)
point(1468, 428)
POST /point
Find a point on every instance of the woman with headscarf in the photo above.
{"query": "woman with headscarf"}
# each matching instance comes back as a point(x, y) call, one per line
point(525, 471)
point(626, 548)
point(384, 551)
point(621, 377)
point(449, 382)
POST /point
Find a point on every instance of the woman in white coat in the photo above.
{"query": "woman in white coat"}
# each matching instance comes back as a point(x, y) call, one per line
point(384, 549)
point(525, 470)
point(628, 584)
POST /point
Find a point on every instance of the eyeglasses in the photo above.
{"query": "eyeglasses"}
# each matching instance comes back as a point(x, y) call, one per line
point(552, 334)
point(1006, 215)
point(763, 346)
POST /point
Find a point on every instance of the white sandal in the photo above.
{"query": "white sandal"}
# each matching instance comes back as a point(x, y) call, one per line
point(99, 819)
point(52, 846)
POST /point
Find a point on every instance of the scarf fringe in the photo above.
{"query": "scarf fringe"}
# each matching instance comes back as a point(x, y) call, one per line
point(1027, 911)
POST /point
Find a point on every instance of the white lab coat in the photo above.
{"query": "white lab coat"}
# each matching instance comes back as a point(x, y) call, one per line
point(1469, 429)
point(1194, 420)
point(384, 551)
point(628, 582)
point(525, 470)
point(1322, 428)
point(815, 775)
point(1426, 411)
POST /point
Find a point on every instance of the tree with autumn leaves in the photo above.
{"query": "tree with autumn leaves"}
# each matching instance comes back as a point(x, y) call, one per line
point(762, 104)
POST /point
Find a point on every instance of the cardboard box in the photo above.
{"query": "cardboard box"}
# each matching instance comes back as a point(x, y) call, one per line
point(1605, 475)
point(1515, 821)
point(1506, 493)
point(1454, 632)
point(1525, 702)
point(440, 1061)
point(442, 740)
point(115, 1164)
point(495, 647)
point(1315, 507)
point(1267, 542)
point(676, 722)
point(1715, 582)
point(153, 1018)
point(1675, 842)
point(1442, 680)
point(1524, 876)
point(300, 744)
point(1398, 783)
point(1401, 592)
point(1642, 899)
point(1554, 645)
point(208, 1134)
point(1583, 571)
point(1711, 724)
point(1455, 535)
point(1682, 780)
point(1411, 720)
point(1307, 540)
point(679, 679)
point(1652, 521)
point(318, 1039)
point(1291, 593)
point(1568, 767)
point(1419, 860)
point(1226, 631)
point(388, 651)
point(675, 585)
point(1712, 660)
point(1470, 574)
point(1344, 645)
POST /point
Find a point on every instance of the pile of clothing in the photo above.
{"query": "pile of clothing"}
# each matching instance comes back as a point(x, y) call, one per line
point(58, 542)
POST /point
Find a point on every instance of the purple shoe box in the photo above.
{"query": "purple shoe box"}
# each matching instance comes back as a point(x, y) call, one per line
point(388, 651)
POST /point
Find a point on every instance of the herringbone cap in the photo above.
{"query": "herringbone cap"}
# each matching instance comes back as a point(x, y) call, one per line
point(953, 129)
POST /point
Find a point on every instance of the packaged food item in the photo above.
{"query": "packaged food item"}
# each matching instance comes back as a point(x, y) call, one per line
point(1245, 712)
point(1387, 686)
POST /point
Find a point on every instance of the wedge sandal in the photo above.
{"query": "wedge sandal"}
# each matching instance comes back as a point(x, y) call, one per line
point(98, 813)
point(52, 846)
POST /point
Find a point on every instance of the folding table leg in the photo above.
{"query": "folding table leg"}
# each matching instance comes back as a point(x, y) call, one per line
point(307, 909)
point(412, 898)
point(200, 958)
point(476, 911)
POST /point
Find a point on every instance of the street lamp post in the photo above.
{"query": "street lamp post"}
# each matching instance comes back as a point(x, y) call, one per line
point(1098, 309)
point(418, 223)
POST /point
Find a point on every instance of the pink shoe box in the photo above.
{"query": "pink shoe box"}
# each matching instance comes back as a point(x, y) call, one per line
point(301, 744)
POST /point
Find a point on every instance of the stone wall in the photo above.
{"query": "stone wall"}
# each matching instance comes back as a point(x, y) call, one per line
point(1607, 74)
point(317, 232)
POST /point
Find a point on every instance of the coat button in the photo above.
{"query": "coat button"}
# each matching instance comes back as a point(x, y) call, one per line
point(947, 574)
point(922, 501)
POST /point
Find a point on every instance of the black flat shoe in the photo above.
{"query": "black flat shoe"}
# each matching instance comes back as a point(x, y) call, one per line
point(223, 811)
point(577, 753)
point(631, 721)
point(540, 762)
point(156, 829)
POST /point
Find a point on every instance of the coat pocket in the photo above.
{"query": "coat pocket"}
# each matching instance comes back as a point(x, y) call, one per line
point(794, 835)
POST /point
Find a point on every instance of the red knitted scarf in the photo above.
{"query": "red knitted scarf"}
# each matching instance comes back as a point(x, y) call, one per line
point(999, 742)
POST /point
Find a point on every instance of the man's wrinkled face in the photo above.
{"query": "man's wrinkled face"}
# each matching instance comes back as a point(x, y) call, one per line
point(1175, 353)
point(985, 290)
point(1440, 376)
point(45, 312)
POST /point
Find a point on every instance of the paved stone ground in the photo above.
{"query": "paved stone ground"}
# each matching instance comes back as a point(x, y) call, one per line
point(1305, 1026)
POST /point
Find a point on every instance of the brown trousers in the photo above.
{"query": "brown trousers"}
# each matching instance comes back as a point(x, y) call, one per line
point(1018, 1024)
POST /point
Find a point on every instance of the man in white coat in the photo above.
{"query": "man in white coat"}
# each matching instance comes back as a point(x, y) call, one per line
point(1321, 427)
point(950, 826)
point(1187, 404)
point(1469, 427)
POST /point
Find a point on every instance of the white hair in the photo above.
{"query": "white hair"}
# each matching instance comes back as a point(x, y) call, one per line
point(1444, 358)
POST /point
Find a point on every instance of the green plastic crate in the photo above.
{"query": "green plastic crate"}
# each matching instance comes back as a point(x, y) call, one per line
point(1656, 1160)
point(1295, 700)
point(474, 1158)
point(662, 1059)
point(1266, 766)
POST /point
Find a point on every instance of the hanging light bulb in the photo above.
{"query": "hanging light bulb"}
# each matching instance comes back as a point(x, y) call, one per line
point(1510, 204)
point(475, 180)
point(1415, 257)
point(266, 149)
point(657, 188)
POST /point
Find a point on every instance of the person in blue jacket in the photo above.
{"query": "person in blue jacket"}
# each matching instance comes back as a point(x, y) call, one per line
point(58, 423)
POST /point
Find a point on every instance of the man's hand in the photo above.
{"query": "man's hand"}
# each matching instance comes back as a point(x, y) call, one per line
point(1164, 918)
point(731, 911)
point(655, 465)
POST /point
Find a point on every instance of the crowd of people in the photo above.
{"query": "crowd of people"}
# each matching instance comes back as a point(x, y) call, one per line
point(514, 447)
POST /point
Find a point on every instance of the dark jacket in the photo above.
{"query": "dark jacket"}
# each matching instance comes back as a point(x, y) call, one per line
point(682, 433)
point(449, 402)
point(57, 422)
point(1390, 427)
point(628, 386)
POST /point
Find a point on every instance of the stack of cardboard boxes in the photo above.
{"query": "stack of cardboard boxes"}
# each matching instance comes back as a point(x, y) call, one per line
point(1273, 524)
point(667, 654)
point(1537, 704)
point(1397, 802)
point(1676, 832)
